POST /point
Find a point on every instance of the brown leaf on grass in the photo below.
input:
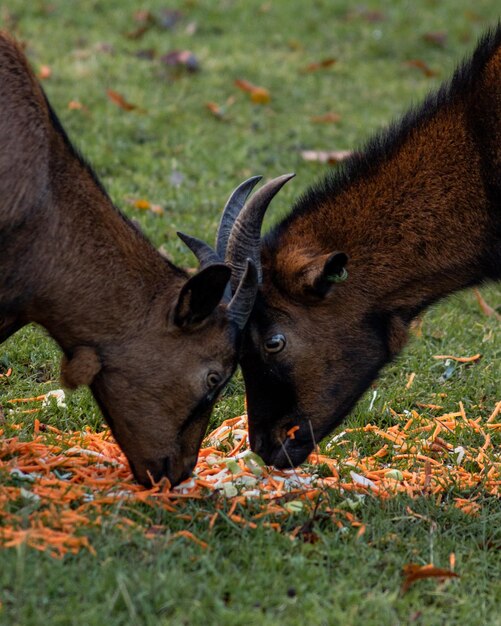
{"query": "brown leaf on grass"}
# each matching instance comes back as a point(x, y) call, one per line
point(413, 572)
point(138, 32)
point(326, 118)
point(44, 72)
point(421, 65)
point(120, 101)
point(76, 105)
point(258, 95)
point(326, 156)
point(183, 58)
point(486, 308)
point(145, 205)
point(320, 65)
point(215, 109)
point(438, 38)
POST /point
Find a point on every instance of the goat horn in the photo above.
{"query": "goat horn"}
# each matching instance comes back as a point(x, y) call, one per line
point(244, 241)
point(204, 253)
point(230, 212)
point(242, 302)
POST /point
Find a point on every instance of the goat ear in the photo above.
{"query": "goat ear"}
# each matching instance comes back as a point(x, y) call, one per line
point(321, 273)
point(80, 368)
point(201, 294)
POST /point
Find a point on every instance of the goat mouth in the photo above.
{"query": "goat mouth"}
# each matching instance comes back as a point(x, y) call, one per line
point(152, 473)
point(285, 455)
point(290, 454)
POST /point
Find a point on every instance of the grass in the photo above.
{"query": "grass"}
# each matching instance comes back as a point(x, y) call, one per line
point(175, 153)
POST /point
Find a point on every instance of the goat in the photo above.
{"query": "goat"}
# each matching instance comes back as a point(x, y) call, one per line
point(411, 218)
point(154, 345)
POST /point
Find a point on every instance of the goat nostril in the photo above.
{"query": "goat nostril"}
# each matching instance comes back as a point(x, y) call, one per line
point(257, 442)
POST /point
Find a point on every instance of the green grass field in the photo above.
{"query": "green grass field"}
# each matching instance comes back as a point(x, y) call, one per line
point(174, 152)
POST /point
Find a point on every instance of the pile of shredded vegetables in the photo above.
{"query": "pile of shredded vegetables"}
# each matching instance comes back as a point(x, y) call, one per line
point(57, 485)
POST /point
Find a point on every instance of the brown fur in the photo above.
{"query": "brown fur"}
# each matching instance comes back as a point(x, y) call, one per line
point(81, 368)
point(130, 324)
point(419, 215)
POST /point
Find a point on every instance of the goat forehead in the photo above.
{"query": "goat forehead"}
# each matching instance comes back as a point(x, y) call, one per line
point(269, 312)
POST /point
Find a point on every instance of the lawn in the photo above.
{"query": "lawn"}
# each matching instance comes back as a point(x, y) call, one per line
point(178, 137)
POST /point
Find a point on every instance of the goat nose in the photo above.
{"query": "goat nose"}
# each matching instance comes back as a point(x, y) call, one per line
point(262, 446)
point(256, 441)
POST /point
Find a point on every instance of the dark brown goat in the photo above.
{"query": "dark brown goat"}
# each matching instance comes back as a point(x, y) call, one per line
point(418, 215)
point(155, 346)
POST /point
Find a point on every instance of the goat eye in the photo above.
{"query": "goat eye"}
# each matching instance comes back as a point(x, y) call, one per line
point(213, 380)
point(275, 344)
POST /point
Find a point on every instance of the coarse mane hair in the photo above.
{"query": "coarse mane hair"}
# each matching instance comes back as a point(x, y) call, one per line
point(384, 144)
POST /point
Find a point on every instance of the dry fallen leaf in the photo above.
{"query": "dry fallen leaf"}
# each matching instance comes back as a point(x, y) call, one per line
point(120, 101)
point(76, 105)
point(138, 32)
point(486, 308)
point(320, 65)
point(215, 109)
point(421, 65)
point(326, 156)
point(326, 118)
point(145, 205)
point(44, 72)
point(258, 95)
point(413, 572)
point(438, 38)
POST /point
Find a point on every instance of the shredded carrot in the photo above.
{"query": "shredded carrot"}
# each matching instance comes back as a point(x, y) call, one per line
point(435, 407)
point(459, 359)
point(411, 380)
point(189, 535)
point(35, 399)
point(77, 478)
point(495, 413)
point(291, 432)
point(452, 561)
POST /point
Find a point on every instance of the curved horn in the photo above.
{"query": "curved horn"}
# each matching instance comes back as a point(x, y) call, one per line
point(242, 302)
point(204, 253)
point(230, 212)
point(244, 241)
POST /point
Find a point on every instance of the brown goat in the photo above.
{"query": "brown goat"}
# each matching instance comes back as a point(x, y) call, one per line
point(155, 346)
point(418, 215)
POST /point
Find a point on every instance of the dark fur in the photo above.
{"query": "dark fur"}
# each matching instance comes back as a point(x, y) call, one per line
point(418, 212)
point(133, 326)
